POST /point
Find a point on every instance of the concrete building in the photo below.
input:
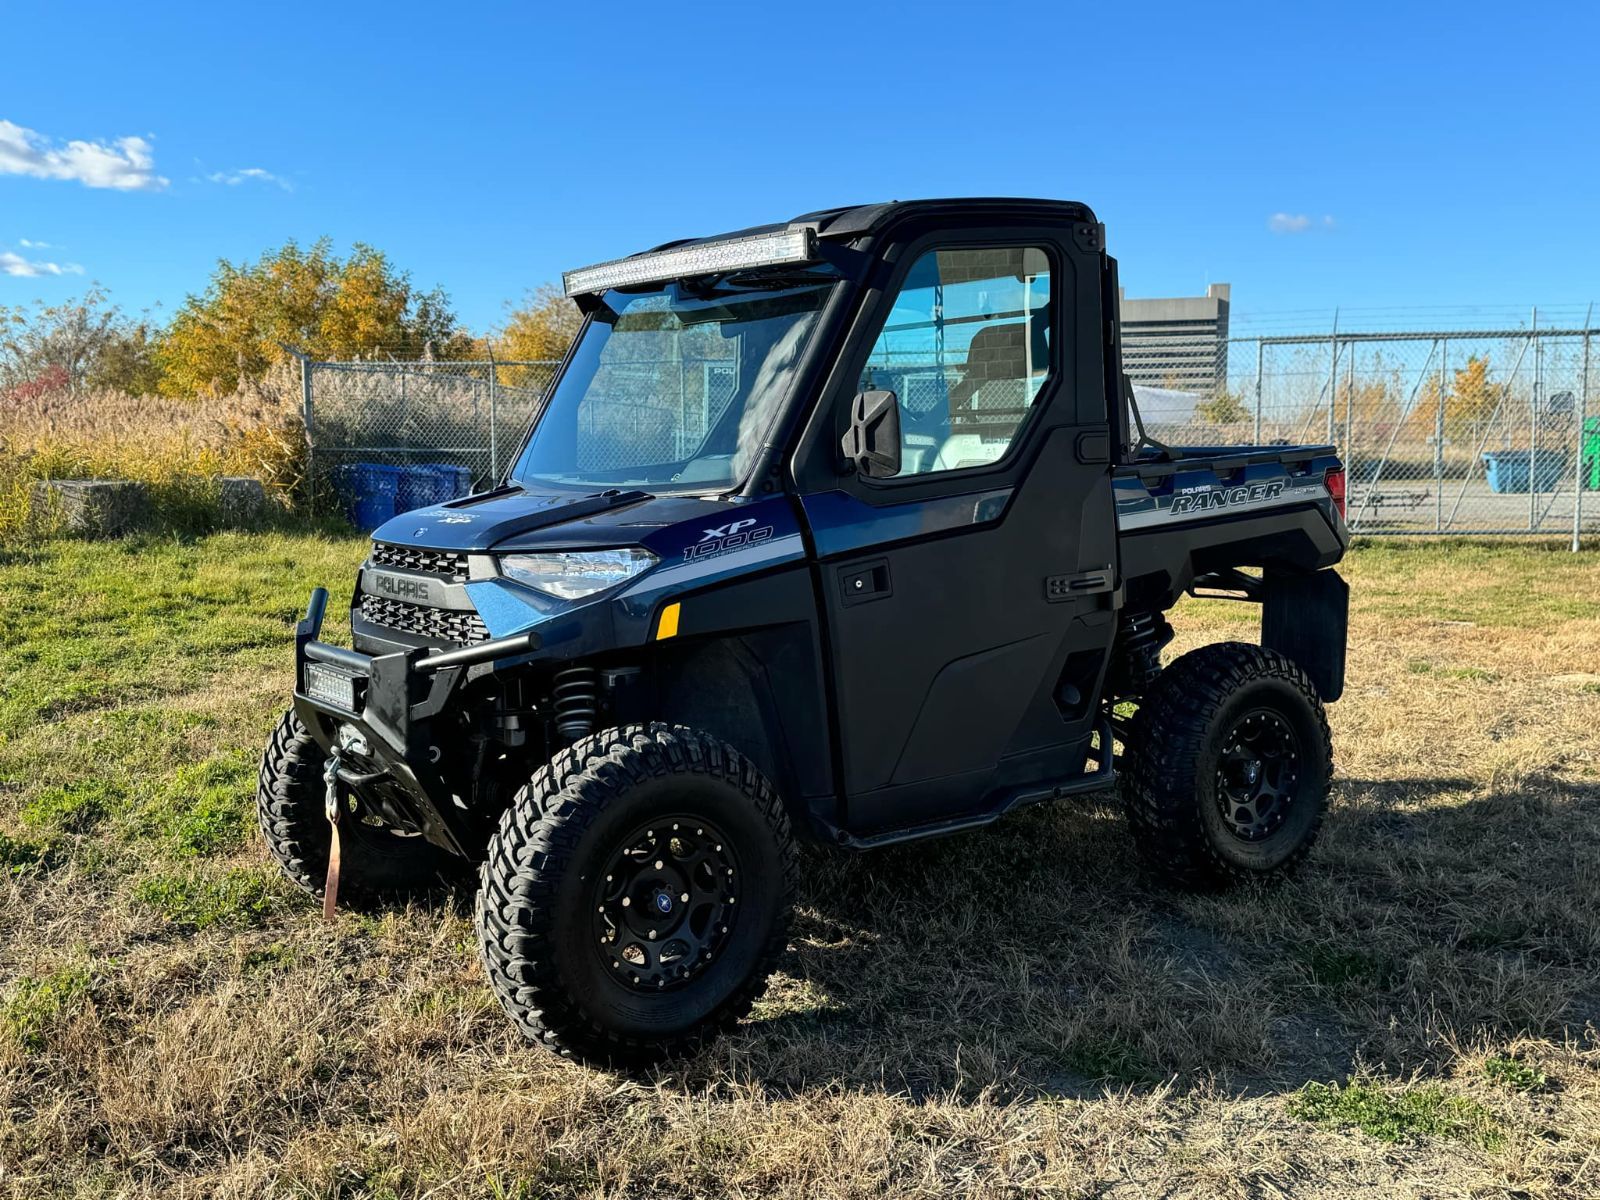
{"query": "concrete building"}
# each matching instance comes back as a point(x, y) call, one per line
point(1179, 343)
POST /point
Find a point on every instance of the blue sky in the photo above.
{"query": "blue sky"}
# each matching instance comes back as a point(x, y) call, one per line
point(1435, 158)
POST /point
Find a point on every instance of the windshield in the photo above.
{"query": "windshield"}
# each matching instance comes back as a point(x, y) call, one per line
point(674, 388)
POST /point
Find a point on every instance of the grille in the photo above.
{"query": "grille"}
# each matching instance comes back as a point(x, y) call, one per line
point(439, 624)
point(434, 562)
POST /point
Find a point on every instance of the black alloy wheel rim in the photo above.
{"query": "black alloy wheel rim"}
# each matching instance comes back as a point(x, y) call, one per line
point(1257, 775)
point(665, 903)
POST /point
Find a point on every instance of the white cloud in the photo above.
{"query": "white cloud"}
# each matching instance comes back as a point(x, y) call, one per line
point(26, 244)
point(32, 268)
point(1282, 222)
point(125, 164)
point(249, 175)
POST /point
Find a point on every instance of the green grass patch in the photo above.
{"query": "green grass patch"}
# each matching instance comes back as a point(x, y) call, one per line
point(1335, 967)
point(1515, 1074)
point(1421, 666)
point(35, 1005)
point(1396, 1115)
point(206, 807)
point(28, 856)
point(1107, 1057)
point(238, 899)
point(264, 960)
point(72, 808)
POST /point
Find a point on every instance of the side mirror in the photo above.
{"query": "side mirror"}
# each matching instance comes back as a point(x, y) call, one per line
point(872, 443)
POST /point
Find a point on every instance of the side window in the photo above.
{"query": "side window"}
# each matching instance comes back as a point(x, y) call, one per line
point(966, 348)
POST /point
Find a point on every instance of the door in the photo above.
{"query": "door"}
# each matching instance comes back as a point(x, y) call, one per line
point(968, 599)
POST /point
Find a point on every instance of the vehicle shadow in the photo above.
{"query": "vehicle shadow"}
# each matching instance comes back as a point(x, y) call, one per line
point(1038, 958)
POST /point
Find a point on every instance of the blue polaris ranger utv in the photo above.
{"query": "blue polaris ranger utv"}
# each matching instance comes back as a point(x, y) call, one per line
point(841, 529)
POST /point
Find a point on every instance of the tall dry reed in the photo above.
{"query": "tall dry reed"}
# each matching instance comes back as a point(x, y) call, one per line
point(178, 448)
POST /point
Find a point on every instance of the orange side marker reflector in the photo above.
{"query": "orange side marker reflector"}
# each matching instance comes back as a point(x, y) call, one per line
point(668, 626)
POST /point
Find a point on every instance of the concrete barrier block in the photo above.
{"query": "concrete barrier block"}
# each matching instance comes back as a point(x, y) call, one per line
point(242, 500)
point(93, 507)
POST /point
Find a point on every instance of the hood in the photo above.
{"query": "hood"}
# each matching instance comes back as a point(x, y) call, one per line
point(512, 519)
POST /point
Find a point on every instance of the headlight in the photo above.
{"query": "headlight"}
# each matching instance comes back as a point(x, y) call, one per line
point(572, 575)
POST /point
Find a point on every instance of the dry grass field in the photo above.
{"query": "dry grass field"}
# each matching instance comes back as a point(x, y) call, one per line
point(1019, 1012)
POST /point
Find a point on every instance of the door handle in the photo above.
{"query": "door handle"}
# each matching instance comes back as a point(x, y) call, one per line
point(861, 582)
point(1085, 583)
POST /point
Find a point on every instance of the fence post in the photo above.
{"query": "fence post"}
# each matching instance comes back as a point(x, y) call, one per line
point(1259, 347)
point(1349, 407)
point(307, 415)
point(1333, 376)
point(494, 422)
point(1533, 420)
point(1438, 444)
point(1583, 416)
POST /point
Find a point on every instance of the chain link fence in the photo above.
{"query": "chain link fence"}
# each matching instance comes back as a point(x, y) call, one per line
point(469, 414)
point(1443, 432)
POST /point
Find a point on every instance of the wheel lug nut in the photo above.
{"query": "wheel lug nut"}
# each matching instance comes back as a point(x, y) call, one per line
point(684, 899)
point(652, 935)
point(659, 864)
point(627, 900)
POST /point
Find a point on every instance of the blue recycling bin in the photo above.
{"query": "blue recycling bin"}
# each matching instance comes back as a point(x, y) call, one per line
point(370, 492)
point(1518, 470)
point(423, 484)
point(457, 481)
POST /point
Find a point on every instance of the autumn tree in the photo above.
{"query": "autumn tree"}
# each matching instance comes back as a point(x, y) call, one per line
point(1225, 408)
point(323, 305)
point(1473, 398)
point(83, 342)
point(541, 328)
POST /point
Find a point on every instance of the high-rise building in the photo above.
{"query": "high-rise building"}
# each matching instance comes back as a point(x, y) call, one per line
point(1179, 343)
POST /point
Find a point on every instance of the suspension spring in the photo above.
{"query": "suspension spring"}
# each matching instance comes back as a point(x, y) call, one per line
point(1139, 641)
point(575, 697)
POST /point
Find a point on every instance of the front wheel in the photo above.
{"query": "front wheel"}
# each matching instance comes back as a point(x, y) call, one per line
point(1231, 762)
point(380, 861)
point(636, 895)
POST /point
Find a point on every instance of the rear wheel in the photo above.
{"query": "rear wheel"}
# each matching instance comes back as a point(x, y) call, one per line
point(636, 895)
point(1231, 762)
point(378, 861)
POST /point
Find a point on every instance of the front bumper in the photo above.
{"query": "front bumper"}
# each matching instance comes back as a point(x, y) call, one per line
point(388, 709)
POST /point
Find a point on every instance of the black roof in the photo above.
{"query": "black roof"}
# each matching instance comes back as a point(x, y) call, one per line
point(858, 220)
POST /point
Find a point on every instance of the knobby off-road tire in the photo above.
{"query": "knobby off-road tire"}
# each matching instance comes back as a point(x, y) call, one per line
point(1231, 762)
point(602, 843)
point(378, 863)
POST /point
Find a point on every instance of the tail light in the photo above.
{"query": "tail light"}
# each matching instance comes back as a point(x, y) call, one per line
point(1335, 482)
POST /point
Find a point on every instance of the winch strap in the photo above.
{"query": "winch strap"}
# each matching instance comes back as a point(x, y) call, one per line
point(332, 810)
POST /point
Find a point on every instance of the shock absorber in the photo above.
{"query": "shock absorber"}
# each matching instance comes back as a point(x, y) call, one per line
point(1140, 637)
point(575, 697)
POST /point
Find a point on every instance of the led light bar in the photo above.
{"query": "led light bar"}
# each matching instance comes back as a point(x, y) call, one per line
point(707, 258)
point(331, 686)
